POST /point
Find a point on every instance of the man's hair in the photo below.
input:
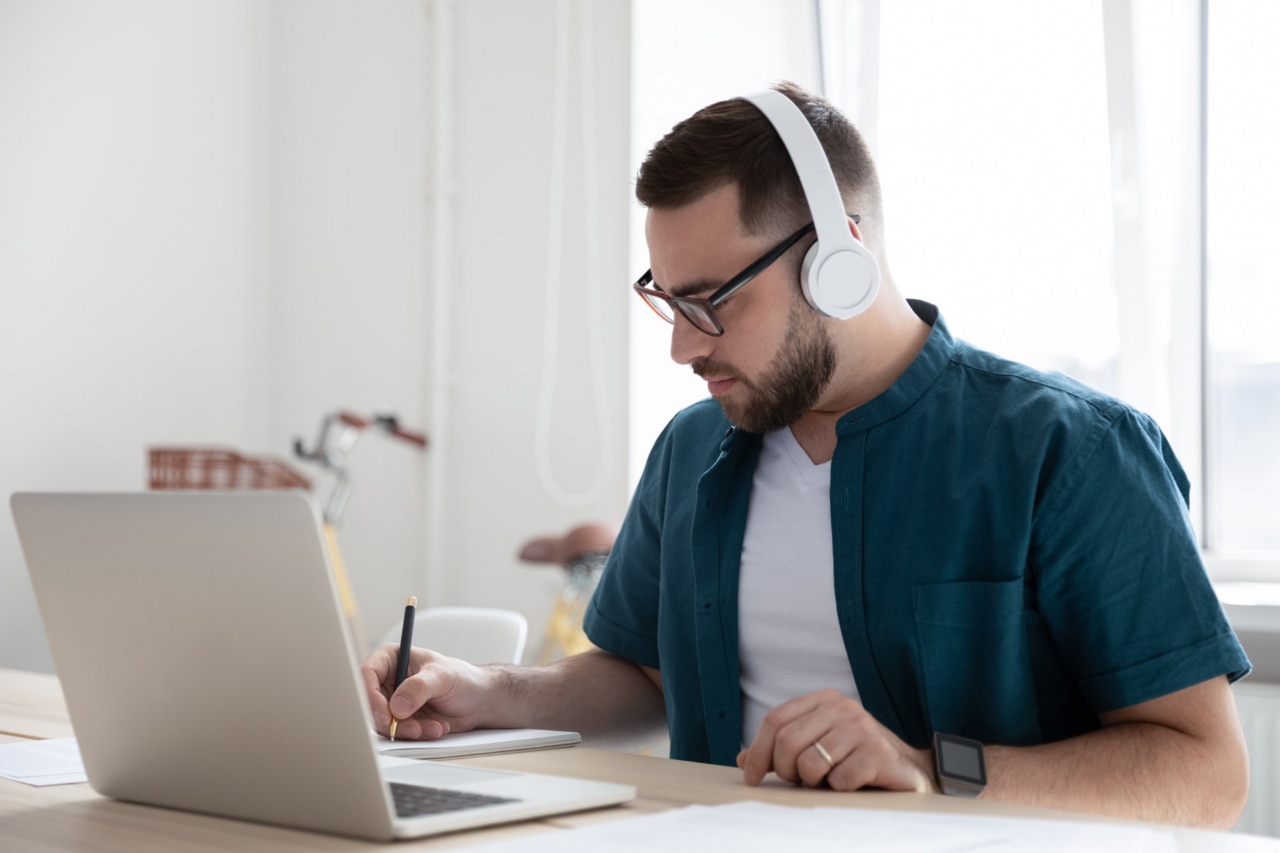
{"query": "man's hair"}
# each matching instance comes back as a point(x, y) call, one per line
point(732, 142)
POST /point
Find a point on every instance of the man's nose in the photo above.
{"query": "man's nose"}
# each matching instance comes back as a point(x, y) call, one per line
point(687, 343)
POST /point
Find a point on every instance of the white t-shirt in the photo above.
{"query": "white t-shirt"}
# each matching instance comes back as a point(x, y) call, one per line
point(789, 640)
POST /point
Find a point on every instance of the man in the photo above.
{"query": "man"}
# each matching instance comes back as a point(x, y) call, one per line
point(874, 532)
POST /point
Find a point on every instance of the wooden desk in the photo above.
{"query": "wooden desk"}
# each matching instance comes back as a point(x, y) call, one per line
point(31, 706)
point(74, 817)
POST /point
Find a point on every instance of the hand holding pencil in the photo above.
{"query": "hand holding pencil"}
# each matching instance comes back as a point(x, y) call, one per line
point(433, 694)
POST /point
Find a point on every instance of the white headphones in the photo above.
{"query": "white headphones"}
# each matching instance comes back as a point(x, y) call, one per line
point(839, 276)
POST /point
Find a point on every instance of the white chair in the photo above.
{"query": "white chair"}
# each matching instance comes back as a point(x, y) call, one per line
point(475, 634)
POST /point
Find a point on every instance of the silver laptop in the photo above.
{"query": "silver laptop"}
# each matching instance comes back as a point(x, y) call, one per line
point(207, 666)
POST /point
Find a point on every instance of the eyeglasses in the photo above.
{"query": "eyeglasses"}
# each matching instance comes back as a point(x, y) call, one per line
point(700, 310)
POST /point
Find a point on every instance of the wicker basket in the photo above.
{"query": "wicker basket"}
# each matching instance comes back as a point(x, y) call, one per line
point(219, 468)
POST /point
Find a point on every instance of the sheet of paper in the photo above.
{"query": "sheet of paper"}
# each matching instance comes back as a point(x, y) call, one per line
point(749, 827)
point(42, 762)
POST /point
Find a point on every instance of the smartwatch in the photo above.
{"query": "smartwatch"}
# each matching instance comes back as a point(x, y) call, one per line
point(962, 770)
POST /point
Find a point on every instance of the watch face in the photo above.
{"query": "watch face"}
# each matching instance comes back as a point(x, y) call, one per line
point(960, 759)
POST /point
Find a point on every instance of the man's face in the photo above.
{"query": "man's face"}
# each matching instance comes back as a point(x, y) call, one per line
point(792, 383)
point(775, 358)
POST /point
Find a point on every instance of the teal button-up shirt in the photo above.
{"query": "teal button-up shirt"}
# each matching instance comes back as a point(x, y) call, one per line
point(1012, 552)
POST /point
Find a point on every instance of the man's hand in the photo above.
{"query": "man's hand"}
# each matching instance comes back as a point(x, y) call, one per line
point(611, 701)
point(441, 694)
point(862, 752)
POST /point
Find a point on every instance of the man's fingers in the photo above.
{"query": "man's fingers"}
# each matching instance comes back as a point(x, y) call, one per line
point(815, 763)
point(419, 728)
point(776, 743)
point(416, 691)
point(401, 706)
point(877, 763)
point(828, 737)
point(800, 724)
point(372, 684)
point(757, 759)
point(794, 743)
point(409, 705)
point(440, 694)
point(375, 673)
point(380, 665)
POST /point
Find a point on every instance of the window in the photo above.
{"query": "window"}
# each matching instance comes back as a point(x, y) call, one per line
point(993, 148)
point(1047, 184)
point(1243, 275)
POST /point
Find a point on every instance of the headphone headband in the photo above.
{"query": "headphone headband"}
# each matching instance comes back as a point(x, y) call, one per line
point(840, 277)
point(811, 165)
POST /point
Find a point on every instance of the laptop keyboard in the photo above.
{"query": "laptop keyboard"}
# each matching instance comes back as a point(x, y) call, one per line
point(418, 800)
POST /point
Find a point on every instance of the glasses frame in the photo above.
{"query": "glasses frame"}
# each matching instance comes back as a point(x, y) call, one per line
point(700, 310)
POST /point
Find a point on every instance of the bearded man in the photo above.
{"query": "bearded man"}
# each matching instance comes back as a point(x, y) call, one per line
point(874, 538)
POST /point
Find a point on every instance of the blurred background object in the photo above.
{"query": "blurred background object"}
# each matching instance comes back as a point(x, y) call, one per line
point(178, 468)
point(581, 552)
point(220, 216)
point(339, 432)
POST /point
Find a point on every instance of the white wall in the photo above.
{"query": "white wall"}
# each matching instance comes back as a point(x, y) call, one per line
point(351, 148)
point(134, 246)
point(216, 225)
point(503, 132)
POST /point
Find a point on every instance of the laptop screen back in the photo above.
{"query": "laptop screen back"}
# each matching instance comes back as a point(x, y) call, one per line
point(204, 656)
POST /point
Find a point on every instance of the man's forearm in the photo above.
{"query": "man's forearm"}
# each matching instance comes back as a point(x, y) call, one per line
point(1136, 770)
point(610, 700)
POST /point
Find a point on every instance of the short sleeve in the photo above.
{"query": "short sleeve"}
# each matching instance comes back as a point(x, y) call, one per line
point(1119, 578)
point(622, 616)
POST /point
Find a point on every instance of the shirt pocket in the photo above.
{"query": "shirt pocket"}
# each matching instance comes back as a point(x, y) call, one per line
point(974, 661)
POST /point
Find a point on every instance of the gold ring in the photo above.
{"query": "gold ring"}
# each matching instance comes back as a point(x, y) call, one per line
point(826, 756)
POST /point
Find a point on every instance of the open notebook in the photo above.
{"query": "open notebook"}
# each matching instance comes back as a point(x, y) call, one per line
point(479, 742)
point(207, 666)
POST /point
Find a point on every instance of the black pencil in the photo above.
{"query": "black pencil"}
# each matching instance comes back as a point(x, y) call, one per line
point(402, 657)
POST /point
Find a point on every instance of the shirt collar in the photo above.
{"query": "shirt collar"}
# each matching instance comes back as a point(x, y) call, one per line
point(923, 371)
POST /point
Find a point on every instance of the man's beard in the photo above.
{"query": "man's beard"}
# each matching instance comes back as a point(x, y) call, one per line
point(792, 383)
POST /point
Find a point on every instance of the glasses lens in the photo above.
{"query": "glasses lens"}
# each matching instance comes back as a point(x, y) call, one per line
point(699, 314)
point(658, 304)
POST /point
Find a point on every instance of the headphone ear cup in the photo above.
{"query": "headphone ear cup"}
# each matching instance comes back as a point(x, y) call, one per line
point(841, 285)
